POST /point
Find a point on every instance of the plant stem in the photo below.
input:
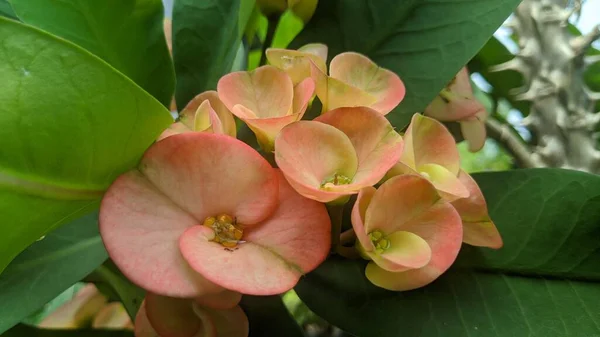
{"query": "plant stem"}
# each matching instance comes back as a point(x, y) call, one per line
point(336, 214)
point(271, 28)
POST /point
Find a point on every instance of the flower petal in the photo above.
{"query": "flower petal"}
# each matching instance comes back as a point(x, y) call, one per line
point(310, 152)
point(225, 116)
point(142, 326)
point(206, 119)
point(447, 183)
point(473, 130)
point(397, 201)
point(427, 141)
point(358, 217)
point(340, 94)
point(227, 323)
point(360, 72)
point(208, 174)
point(226, 299)
point(265, 129)
point(296, 63)
point(303, 92)
point(267, 91)
point(377, 145)
point(440, 226)
point(293, 241)
point(317, 49)
point(172, 317)
point(478, 228)
point(140, 228)
point(407, 250)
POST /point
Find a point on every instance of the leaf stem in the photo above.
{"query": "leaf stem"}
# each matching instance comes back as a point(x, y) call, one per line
point(271, 28)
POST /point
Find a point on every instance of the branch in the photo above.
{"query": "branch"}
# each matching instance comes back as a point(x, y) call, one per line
point(506, 137)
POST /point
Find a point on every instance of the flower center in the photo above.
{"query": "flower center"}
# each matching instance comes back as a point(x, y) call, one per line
point(227, 231)
point(380, 241)
point(335, 180)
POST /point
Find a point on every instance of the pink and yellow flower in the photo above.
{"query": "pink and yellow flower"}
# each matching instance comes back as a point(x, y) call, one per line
point(355, 80)
point(266, 100)
point(456, 103)
point(338, 153)
point(205, 213)
point(161, 316)
point(204, 113)
point(410, 234)
point(478, 227)
point(297, 63)
point(430, 151)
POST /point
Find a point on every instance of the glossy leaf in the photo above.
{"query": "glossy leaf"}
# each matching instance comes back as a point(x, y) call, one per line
point(128, 34)
point(426, 42)
point(268, 316)
point(108, 277)
point(543, 282)
point(48, 267)
point(6, 9)
point(70, 136)
point(206, 36)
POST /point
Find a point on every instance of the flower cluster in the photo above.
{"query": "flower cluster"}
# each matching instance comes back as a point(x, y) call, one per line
point(205, 218)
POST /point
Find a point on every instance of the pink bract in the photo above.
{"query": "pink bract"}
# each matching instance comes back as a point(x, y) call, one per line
point(338, 153)
point(161, 316)
point(456, 103)
point(297, 63)
point(355, 80)
point(431, 152)
point(204, 113)
point(151, 220)
point(266, 100)
point(408, 231)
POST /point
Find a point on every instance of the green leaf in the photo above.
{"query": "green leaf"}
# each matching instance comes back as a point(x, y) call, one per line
point(23, 330)
point(205, 41)
point(48, 267)
point(128, 34)
point(268, 316)
point(71, 125)
point(425, 42)
point(543, 282)
point(120, 288)
point(6, 10)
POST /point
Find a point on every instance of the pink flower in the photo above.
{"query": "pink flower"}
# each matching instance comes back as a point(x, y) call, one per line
point(204, 113)
point(204, 213)
point(409, 233)
point(355, 80)
point(161, 316)
point(431, 152)
point(338, 153)
point(266, 100)
point(297, 63)
point(478, 227)
point(456, 103)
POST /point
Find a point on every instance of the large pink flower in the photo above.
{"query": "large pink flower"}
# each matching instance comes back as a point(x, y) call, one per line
point(456, 103)
point(431, 152)
point(355, 80)
point(266, 100)
point(411, 234)
point(161, 316)
point(205, 213)
point(338, 153)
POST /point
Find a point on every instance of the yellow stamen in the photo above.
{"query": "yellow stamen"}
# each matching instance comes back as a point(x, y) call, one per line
point(227, 231)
